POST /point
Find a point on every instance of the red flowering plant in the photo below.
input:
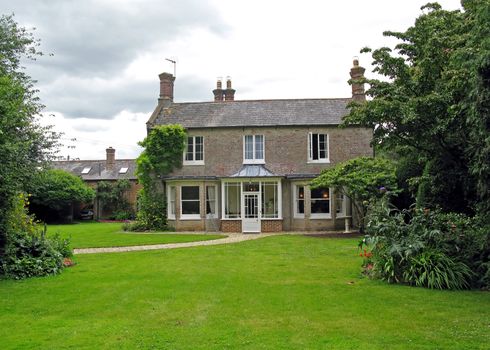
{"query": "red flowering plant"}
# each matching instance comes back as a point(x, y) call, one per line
point(366, 255)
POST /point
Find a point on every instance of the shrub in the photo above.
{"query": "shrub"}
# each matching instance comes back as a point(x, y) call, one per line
point(29, 252)
point(428, 248)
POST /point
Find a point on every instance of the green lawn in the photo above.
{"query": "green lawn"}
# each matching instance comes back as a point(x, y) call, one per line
point(94, 234)
point(282, 292)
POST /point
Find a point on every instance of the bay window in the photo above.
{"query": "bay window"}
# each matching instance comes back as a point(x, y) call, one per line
point(320, 203)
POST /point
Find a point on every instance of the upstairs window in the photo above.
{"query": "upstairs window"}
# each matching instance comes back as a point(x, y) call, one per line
point(194, 153)
point(253, 149)
point(318, 148)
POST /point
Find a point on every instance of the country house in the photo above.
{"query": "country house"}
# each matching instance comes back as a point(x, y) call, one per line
point(248, 163)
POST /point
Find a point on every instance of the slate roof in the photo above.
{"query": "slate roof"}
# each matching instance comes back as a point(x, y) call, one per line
point(252, 113)
point(98, 169)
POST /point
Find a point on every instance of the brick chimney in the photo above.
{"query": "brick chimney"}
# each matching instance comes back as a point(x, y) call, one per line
point(110, 161)
point(218, 92)
point(229, 92)
point(166, 86)
point(357, 73)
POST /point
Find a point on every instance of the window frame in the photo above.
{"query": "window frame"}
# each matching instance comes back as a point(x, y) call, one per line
point(170, 215)
point(310, 148)
point(254, 160)
point(322, 215)
point(343, 212)
point(190, 216)
point(216, 198)
point(193, 161)
point(296, 213)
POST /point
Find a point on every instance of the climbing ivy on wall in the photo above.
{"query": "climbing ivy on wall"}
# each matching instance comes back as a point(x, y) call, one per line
point(163, 153)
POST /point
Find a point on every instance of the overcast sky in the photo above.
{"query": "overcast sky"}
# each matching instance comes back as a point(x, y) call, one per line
point(101, 84)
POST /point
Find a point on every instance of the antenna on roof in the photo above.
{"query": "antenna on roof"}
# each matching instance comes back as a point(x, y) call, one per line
point(175, 66)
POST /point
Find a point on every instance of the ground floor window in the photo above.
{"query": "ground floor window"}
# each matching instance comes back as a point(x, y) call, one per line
point(320, 202)
point(340, 204)
point(211, 202)
point(171, 202)
point(232, 199)
point(299, 201)
point(189, 202)
point(270, 200)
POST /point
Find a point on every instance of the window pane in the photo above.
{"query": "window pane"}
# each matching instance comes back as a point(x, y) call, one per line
point(189, 155)
point(249, 147)
point(322, 146)
point(301, 192)
point(314, 146)
point(259, 147)
point(320, 206)
point(190, 192)
point(320, 193)
point(190, 207)
point(251, 186)
point(199, 148)
point(301, 206)
point(300, 199)
point(210, 200)
point(232, 200)
point(269, 200)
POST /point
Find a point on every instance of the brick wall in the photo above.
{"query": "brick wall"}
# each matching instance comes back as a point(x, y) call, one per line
point(231, 226)
point(271, 225)
point(285, 149)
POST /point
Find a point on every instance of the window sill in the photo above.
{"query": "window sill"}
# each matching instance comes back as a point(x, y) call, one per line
point(276, 219)
point(231, 219)
point(259, 161)
point(299, 216)
point(170, 217)
point(319, 161)
point(190, 217)
point(320, 217)
point(199, 162)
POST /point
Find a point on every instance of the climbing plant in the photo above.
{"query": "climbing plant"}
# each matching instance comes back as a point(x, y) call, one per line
point(163, 153)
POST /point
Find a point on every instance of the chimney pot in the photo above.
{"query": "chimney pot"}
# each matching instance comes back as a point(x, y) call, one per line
point(229, 92)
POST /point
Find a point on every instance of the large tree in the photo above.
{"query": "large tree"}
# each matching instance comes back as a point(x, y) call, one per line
point(24, 144)
point(434, 103)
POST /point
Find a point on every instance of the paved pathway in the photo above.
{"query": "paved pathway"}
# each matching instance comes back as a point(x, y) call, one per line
point(232, 238)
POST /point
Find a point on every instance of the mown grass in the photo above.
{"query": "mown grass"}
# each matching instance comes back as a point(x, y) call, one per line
point(282, 292)
point(94, 235)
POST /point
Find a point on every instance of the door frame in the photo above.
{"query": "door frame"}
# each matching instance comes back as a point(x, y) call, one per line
point(256, 223)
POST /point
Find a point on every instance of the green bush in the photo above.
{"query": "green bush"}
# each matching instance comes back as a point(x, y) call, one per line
point(30, 255)
point(29, 252)
point(428, 248)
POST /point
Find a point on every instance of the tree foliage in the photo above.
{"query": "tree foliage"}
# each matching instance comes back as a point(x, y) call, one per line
point(434, 101)
point(58, 189)
point(361, 179)
point(24, 144)
point(113, 196)
point(163, 152)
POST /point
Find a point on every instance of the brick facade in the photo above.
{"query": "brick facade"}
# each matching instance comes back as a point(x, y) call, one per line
point(231, 225)
point(271, 225)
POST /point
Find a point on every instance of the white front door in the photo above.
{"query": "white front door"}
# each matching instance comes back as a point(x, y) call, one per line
point(251, 217)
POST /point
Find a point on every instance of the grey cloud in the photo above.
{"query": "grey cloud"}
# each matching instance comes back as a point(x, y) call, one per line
point(98, 39)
